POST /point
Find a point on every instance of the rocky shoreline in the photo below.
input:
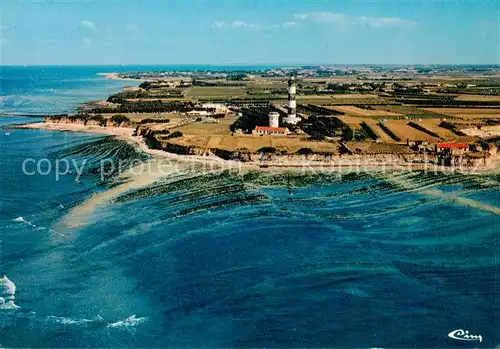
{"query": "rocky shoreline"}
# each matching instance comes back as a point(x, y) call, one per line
point(141, 136)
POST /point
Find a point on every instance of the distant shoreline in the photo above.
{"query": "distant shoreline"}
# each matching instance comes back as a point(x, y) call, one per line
point(116, 76)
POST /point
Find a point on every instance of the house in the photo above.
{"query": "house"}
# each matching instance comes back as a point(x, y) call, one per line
point(416, 143)
point(452, 148)
point(420, 145)
point(219, 108)
point(274, 131)
point(449, 154)
point(210, 120)
point(198, 113)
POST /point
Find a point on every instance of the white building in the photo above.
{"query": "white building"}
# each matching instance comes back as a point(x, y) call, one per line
point(198, 113)
point(274, 119)
point(219, 107)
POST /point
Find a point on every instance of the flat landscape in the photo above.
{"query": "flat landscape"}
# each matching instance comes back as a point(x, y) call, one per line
point(481, 98)
point(467, 113)
point(222, 92)
point(363, 113)
point(290, 144)
point(404, 131)
point(356, 111)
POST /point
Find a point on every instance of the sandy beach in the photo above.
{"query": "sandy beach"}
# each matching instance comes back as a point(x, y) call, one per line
point(126, 134)
point(116, 76)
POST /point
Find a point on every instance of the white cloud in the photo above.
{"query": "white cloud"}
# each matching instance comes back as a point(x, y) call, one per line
point(87, 40)
point(238, 24)
point(289, 24)
point(378, 22)
point(343, 21)
point(243, 24)
point(132, 28)
point(88, 25)
point(218, 24)
point(246, 25)
point(323, 17)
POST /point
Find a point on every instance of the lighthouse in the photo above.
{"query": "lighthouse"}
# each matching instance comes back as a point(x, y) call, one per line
point(292, 103)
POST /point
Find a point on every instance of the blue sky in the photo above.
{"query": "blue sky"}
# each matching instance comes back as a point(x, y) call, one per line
point(249, 32)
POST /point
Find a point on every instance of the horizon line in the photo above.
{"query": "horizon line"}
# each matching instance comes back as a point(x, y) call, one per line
point(281, 65)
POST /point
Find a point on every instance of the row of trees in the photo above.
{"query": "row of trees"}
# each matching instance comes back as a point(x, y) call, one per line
point(389, 132)
point(319, 127)
point(301, 151)
point(315, 109)
point(447, 102)
point(98, 119)
point(423, 129)
point(120, 97)
point(451, 127)
point(202, 83)
point(252, 116)
point(148, 107)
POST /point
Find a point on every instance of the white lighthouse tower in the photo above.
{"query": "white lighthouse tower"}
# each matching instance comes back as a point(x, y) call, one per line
point(292, 103)
point(274, 119)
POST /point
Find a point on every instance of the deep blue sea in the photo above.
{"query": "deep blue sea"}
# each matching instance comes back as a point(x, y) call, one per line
point(207, 257)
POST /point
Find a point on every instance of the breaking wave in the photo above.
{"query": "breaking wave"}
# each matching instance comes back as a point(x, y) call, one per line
point(77, 322)
point(7, 294)
point(131, 321)
point(22, 220)
point(7, 298)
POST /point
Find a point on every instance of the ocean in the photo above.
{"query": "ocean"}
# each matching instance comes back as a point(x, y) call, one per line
point(211, 257)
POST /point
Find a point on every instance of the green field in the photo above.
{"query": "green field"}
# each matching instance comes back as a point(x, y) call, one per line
point(218, 92)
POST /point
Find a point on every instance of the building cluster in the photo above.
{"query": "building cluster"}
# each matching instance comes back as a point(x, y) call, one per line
point(274, 117)
point(207, 109)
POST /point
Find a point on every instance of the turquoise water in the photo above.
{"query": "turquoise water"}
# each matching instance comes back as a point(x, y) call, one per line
point(46, 89)
point(239, 259)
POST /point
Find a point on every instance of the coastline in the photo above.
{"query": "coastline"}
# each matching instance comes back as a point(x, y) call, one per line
point(355, 163)
point(125, 134)
point(116, 76)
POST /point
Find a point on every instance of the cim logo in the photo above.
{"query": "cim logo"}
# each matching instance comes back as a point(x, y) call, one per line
point(463, 335)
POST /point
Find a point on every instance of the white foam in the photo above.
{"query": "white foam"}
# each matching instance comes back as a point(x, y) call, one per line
point(7, 287)
point(22, 220)
point(7, 294)
point(10, 305)
point(68, 321)
point(131, 321)
point(354, 291)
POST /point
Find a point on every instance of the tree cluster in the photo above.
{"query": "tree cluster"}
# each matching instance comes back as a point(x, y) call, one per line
point(148, 107)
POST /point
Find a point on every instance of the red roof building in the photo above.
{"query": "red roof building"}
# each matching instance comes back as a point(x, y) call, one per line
point(266, 130)
point(452, 146)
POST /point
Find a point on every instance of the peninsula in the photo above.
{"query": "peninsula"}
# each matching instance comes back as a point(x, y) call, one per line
point(315, 115)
